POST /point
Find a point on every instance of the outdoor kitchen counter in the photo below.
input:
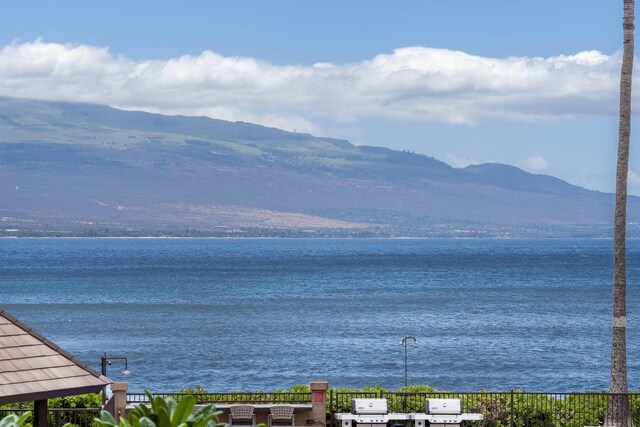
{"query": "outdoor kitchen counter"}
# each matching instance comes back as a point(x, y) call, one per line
point(258, 407)
point(400, 416)
point(347, 419)
point(424, 420)
point(297, 407)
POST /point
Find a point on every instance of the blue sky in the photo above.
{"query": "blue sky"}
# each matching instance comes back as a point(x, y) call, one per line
point(528, 83)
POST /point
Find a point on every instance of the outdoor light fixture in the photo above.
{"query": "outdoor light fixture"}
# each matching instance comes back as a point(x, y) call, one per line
point(404, 343)
point(105, 360)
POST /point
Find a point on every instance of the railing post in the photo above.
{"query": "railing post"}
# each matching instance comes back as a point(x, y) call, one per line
point(119, 391)
point(40, 413)
point(319, 402)
point(513, 415)
point(332, 408)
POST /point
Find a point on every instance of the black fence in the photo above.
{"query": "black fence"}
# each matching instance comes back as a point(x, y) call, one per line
point(80, 417)
point(500, 409)
point(338, 402)
point(506, 409)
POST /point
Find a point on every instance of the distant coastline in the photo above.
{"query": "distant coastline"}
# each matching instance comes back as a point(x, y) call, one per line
point(551, 232)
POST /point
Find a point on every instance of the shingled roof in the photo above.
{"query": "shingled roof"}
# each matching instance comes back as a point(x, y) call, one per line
point(34, 368)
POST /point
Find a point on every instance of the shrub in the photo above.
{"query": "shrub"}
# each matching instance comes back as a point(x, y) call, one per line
point(15, 420)
point(165, 412)
point(90, 400)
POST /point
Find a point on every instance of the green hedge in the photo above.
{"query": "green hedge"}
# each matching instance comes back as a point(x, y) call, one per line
point(499, 409)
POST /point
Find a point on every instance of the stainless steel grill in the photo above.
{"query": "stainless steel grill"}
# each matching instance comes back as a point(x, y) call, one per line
point(443, 413)
point(369, 412)
point(374, 413)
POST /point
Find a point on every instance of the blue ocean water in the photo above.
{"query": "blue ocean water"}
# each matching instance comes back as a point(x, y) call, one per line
point(262, 314)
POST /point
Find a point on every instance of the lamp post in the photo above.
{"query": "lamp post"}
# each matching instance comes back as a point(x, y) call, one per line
point(104, 362)
point(404, 343)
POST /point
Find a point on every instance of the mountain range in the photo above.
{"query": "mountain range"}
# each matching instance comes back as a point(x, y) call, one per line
point(84, 169)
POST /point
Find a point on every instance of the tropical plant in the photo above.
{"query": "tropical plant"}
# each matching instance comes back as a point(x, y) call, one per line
point(618, 411)
point(165, 412)
point(15, 420)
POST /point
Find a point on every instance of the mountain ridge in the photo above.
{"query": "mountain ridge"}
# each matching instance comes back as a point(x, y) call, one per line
point(156, 172)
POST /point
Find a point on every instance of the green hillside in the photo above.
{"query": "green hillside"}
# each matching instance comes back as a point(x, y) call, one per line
point(81, 168)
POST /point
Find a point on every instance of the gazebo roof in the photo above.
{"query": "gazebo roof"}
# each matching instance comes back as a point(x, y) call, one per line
point(34, 368)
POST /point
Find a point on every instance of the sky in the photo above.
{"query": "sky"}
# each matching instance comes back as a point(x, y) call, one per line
point(530, 83)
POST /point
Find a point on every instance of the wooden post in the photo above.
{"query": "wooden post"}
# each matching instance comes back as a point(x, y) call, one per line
point(119, 391)
point(319, 402)
point(40, 413)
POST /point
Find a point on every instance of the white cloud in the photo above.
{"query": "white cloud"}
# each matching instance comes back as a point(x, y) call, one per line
point(633, 178)
point(413, 84)
point(460, 162)
point(534, 163)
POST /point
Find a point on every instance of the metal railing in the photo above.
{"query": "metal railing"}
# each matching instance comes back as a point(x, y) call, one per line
point(80, 417)
point(507, 409)
point(500, 409)
point(230, 398)
point(340, 401)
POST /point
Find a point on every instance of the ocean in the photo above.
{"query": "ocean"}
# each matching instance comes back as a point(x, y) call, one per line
point(266, 314)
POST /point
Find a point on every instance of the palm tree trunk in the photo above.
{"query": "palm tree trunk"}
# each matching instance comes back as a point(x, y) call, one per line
point(618, 411)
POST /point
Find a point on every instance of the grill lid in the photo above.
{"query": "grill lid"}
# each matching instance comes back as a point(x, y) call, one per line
point(443, 406)
point(368, 406)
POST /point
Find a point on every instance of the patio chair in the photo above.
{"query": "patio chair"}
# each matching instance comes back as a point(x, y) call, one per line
point(242, 416)
point(281, 416)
